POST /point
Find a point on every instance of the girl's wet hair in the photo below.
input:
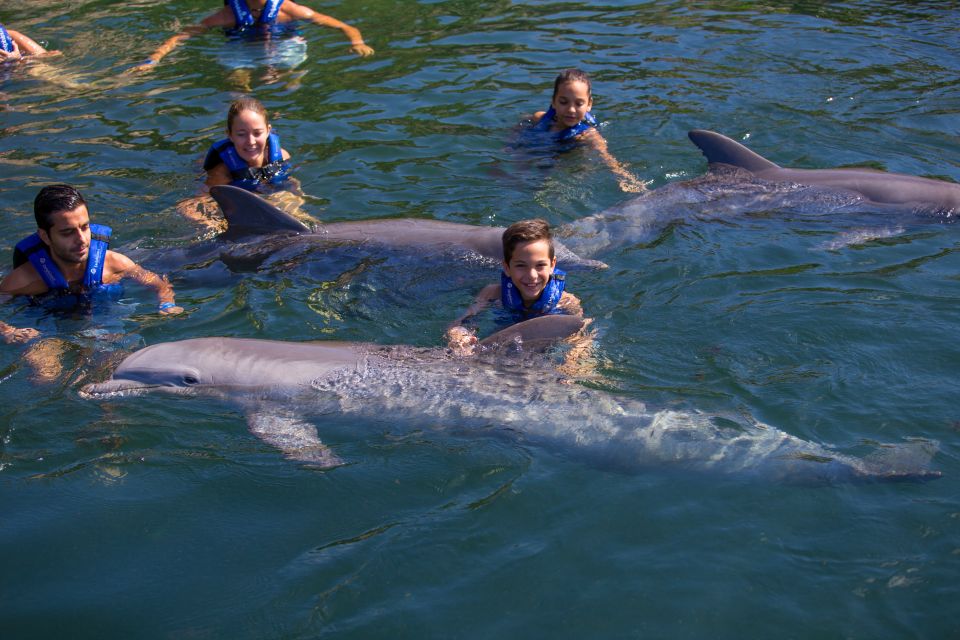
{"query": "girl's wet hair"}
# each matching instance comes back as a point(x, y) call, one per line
point(572, 75)
point(526, 231)
point(246, 103)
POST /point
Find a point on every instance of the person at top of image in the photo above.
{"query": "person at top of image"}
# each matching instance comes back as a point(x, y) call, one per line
point(67, 261)
point(569, 120)
point(15, 46)
point(530, 284)
point(254, 15)
point(250, 157)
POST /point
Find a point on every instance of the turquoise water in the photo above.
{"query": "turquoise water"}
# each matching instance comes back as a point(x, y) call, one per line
point(166, 518)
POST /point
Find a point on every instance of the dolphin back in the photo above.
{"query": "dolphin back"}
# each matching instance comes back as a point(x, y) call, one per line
point(719, 149)
point(249, 214)
point(545, 329)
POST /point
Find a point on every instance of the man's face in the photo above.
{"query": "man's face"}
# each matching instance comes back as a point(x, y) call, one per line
point(69, 236)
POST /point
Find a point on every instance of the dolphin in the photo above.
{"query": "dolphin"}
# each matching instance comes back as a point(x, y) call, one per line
point(510, 389)
point(258, 228)
point(874, 188)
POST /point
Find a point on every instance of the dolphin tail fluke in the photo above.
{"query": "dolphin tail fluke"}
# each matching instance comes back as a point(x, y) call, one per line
point(249, 214)
point(295, 438)
point(719, 149)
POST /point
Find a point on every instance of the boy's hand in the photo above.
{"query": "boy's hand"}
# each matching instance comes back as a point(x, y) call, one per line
point(362, 50)
point(9, 56)
point(461, 341)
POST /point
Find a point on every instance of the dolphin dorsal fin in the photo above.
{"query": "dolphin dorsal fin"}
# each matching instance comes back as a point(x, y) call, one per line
point(718, 148)
point(249, 214)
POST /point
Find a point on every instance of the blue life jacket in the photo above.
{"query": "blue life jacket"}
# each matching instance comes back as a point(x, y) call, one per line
point(545, 305)
point(244, 18)
point(34, 250)
point(570, 132)
point(6, 42)
point(245, 176)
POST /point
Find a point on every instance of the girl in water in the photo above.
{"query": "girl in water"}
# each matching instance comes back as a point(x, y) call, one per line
point(569, 119)
point(250, 157)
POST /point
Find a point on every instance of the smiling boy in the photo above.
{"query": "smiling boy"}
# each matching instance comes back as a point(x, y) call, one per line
point(530, 284)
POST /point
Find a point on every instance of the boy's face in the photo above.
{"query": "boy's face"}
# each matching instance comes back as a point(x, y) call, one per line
point(530, 268)
point(572, 102)
point(69, 235)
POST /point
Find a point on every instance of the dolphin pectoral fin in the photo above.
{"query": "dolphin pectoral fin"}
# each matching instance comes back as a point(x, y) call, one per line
point(720, 149)
point(249, 214)
point(296, 438)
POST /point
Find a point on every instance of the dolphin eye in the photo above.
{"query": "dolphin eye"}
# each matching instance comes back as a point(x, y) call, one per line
point(189, 379)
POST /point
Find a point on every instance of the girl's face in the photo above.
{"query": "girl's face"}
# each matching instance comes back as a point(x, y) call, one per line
point(572, 102)
point(248, 133)
point(530, 268)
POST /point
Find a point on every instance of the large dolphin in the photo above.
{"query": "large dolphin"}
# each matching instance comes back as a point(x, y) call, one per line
point(257, 229)
point(739, 181)
point(875, 188)
point(505, 390)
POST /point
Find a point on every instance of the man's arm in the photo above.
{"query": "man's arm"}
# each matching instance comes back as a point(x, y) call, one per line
point(300, 12)
point(120, 266)
point(13, 284)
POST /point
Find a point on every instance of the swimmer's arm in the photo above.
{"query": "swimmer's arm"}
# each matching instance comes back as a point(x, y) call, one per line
point(578, 361)
point(461, 339)
point(119, 266)
point(570, 304)
point(23, 281)
point(218, 175)
point(300, 12)
point(9, 333)
point(222, 18)
point(22, 46)
point(628, 181)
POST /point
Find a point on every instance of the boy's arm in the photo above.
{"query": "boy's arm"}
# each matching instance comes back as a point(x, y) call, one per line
point(123, 267)
point(628, 181)
point(461, 339)
point(12, 334)
point(300, 12)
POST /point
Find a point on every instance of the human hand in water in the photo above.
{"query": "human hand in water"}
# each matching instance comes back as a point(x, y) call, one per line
point(13, 335)
point(362, 50)
point(143, 67)
point(10, 56)
point(632, 185)
point(461, 341)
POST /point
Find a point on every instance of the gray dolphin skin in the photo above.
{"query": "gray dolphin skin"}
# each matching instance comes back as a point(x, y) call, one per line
point(508, 390)
point(248, 214)
point(875, 187)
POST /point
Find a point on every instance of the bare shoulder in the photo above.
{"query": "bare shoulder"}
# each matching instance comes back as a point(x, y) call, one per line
point(538, 116)
point(489, 292)
point(223, 17)
point(290, 10)
point(24, 280)
point(116, 265)
point(219, 174)
point(284, 154)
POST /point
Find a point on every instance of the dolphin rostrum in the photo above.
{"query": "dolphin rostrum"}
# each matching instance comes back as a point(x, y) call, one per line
point(248, 214)
point(874, 187)
point(505, 390)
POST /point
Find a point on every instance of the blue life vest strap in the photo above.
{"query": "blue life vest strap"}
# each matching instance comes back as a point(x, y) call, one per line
point(546, 304)
point(32, 248)
point(570, 132)
point(6, 42)
point(244, 18)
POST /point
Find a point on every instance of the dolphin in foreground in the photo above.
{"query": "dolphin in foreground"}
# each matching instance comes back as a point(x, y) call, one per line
point(259, 228)
point(875, 188)
point(509, 389)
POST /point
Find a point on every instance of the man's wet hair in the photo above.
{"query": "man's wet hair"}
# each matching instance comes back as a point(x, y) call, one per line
point(526, 231)
point(54, 199)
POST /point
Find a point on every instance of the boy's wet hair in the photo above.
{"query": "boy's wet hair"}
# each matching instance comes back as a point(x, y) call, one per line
point(572, 75)
point(246, 103)
point(526, 231)
point(54, 199)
